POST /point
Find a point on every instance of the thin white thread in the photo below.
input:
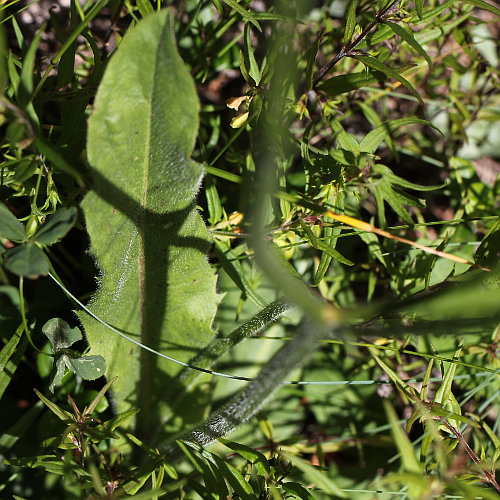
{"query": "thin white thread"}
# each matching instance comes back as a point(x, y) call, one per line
point(237, 377)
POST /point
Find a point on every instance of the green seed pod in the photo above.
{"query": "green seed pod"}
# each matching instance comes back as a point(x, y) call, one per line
point(32, 225)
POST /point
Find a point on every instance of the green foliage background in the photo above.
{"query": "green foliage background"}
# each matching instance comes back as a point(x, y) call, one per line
point(383, 112)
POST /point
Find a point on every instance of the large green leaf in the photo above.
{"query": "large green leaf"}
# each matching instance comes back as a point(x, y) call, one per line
point(149, 241)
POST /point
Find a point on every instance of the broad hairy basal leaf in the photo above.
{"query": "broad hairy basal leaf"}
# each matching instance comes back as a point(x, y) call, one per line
point(148, 239)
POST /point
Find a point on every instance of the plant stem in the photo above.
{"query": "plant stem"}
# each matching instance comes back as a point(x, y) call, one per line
point(347, 49)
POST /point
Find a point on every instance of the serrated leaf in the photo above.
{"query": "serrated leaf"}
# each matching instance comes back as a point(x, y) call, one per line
point(55, 442)
point(27, 260)
point(451, 416)
point(445, 397)
point(10, 227)
point(56, 226)
point(60, 334)
point(146, 234)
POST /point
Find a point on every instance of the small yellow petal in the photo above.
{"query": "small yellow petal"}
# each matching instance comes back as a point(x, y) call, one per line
point(239, 121)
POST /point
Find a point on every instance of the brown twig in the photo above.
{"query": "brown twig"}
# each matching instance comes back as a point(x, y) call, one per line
point(348, 48)
point(489, 476)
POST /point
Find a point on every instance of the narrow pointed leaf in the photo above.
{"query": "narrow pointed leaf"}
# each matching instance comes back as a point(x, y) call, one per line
point(352, 81)
point(484, 5)
point(373, 139)
point(235, 479)
point(27, 71)
point(297, 490)
point(405, 447)
point(253, 456)
point(245, 14)
point(408, 37)
point(254, 71)
point(419, 4)
point(113, 423)
point(392, 199)
point(335, 254)
point(64, 415)
point(350, 22)
point(315, 475)
point(371, 62)
point(311, 57)
point(394, 179)
point(49, 463)
point(146, 234)
point(10, 357)
point(99, 396)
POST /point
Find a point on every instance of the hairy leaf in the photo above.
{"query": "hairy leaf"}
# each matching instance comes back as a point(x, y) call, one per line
point(146, 234)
